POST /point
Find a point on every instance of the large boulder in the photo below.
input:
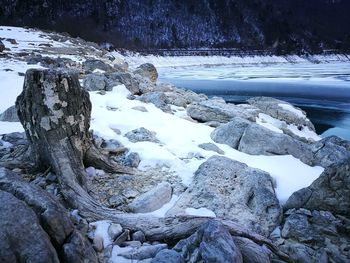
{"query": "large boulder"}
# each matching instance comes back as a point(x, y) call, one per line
point(122, 78)
point(47, 213)
point(234, 191)
point(212, 242)
point(331, 191)
point(282, 110)
point(230, 133)
point(9, 115)
point(22, 239)
point(217, 109)
point(95, 82)
point(315, 236)
point(157, 98)
point(147, 70)
point(142, 135)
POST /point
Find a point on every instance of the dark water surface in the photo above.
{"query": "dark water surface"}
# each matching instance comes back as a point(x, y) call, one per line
point(327, 105)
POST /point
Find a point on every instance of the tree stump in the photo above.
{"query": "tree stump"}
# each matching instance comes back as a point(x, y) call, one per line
point(55, 113)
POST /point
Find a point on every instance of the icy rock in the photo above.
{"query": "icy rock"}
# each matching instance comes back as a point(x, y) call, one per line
point(133, 244)
point(91, 171)
point(142, 135)
point(217, 110)
point(234, 191)
point(9, 115)
point(211, 147)
point(140, 108)
point(132, 159)
point(153, 199)
point(147, 70)
point(120, 78)
point(157, 98)
point(114, 230)
point(122, 237)
point(281, 110)
point(90, 65)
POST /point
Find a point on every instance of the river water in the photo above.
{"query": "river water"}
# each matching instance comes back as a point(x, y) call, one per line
point(323, 91)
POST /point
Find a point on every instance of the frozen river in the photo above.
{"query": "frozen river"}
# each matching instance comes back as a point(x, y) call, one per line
point(322, 90)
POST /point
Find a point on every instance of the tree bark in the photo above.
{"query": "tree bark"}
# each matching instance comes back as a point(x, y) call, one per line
point(55, 113)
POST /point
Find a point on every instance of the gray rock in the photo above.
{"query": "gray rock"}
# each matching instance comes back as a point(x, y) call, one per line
point(316, 236)
point(329, 151)
point(16, 138)
point(138, 236)
point(234, 191)
point(51, 215)
point(9, 115)
point(22, 238)
point(231, 132)
point(330, 192)
point(168, 256)
point(212, 242)
point(122, 237)
point(142, 135)
point(133, 244)
point(95, 82)
point(132, 159)
point(98, 244)
point(140, 108)
point(143, 252)
point(117, 200)
point(147, 70)
point(114, 230)
point(211, 147)
point(217, 110)
point(252, 252)
point(258, 140)
point(157, 98)
point(270, 106)
point(92, 64)
point(130, 193)
point(121, 78)
point(153, 199)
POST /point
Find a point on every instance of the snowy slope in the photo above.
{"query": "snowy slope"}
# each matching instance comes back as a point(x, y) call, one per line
point(179, 137)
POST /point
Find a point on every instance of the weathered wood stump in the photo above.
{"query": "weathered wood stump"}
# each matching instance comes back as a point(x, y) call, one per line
point(55, 112)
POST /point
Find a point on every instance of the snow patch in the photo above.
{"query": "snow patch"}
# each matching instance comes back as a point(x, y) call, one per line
point(205, 212)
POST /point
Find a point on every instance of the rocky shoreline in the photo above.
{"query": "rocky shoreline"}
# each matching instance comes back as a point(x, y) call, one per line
point(229, 212)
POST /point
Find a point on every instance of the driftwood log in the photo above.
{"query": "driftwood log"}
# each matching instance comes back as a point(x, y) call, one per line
point(55, 113)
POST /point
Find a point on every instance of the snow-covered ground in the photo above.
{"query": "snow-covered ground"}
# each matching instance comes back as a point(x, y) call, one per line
point(179, 137)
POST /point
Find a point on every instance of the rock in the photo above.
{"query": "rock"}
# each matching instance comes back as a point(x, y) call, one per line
point(130, 193)
point(142, 135)
point(120, 78)
point(22, 238)
point(140, 108)
point(217, 110)
point(258, 140)
point(231, 132)
point(147, 70)
point(233, 191)
point(132, 159)
point(133, 244)
point(153, 199)
point(317, 236)
point(2, 46)
point(50, 214)
point(95, 82)
point(114, 230)
point(90, 65)
point(252, 252)
point(157, 98)
point(138, 236)
point(168, 256)
point(98, 244)
point(122, 238)
point(329, 151)
point(143, 252)
point(211, 147)
point(212, 242)
point(330, 192)
point(117, 200)
point(282, 110)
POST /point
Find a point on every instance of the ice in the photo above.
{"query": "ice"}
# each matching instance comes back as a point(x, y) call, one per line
point(290, 108)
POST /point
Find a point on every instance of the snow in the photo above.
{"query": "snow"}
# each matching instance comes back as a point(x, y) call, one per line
point(269, 122)
point(101, 230)
point(290, 108)
point(117, 250)
point(199, 212)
